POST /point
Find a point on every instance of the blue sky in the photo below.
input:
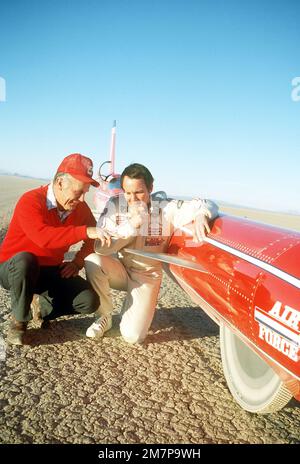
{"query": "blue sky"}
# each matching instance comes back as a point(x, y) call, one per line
point(201, 91)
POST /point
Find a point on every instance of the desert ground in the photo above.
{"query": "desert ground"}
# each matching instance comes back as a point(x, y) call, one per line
point(65, 388)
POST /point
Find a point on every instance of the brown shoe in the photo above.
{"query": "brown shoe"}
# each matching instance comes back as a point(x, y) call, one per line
point(36, 313)
point(16, 332)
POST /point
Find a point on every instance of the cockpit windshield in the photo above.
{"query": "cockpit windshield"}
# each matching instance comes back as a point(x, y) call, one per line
point(114, 183)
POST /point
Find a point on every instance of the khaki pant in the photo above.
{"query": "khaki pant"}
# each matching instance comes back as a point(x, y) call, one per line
point(106, 272)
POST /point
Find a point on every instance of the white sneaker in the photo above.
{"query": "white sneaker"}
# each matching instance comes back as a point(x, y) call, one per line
point(99, 327)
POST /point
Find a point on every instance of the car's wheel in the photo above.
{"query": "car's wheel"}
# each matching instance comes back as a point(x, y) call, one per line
point(252, 382)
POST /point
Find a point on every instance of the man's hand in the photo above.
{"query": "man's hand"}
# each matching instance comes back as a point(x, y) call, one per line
point(96, 233)
point(201, 228)
point(69, 269)
point(137, 213)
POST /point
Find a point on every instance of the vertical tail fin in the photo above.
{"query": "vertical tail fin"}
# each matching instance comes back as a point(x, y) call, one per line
point(113, 147)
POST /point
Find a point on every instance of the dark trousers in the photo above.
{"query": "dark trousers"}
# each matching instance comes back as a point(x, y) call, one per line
point(23, 276)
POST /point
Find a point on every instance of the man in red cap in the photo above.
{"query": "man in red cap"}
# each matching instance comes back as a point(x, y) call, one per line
point(46, 221)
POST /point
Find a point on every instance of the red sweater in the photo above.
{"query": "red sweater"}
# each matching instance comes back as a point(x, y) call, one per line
point(36, 229)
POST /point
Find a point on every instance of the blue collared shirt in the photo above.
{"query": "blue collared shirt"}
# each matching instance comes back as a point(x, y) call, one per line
point(52, 203)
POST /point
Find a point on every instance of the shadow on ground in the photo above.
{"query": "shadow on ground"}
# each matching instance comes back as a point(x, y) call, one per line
point(179, 323)
point(59, 331)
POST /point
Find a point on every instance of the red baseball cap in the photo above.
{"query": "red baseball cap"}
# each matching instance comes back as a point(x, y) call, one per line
point(80, 167)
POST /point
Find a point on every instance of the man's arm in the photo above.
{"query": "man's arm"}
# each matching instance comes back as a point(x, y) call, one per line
point(116, 222)
point(208, 212)
point(32, 221)
point(209, 209)
point(181, 213)
point(88, 246)
point(116, 245)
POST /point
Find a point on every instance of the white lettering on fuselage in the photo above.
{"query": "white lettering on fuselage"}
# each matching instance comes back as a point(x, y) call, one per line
point(286, 315)
point(283, 335)
point(279, 343)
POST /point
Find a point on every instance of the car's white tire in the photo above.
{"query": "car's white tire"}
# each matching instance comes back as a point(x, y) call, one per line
point(252, 382)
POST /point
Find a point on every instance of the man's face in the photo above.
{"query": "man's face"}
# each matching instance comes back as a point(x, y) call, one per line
point(70, 192)
point(135, 191)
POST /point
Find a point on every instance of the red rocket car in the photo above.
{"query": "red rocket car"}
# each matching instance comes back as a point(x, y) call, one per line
point(250, 286)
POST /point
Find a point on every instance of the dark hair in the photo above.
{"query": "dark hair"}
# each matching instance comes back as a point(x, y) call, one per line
point(138, 171)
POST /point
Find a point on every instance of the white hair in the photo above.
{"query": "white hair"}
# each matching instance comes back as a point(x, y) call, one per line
point(62, 175)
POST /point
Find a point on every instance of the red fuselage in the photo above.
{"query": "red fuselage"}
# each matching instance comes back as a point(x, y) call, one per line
point(252, 285)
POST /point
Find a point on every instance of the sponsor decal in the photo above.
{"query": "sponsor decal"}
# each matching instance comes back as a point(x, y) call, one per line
point(280, 328)
point(121, 219)
point(155, 226)
point(153, 241)
point(155, 231)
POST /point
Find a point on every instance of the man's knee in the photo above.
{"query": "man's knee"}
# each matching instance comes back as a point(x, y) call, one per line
point(25, 263)
point(93, 259)
point(131, 335)
point(91, 264)
point(89, 302)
